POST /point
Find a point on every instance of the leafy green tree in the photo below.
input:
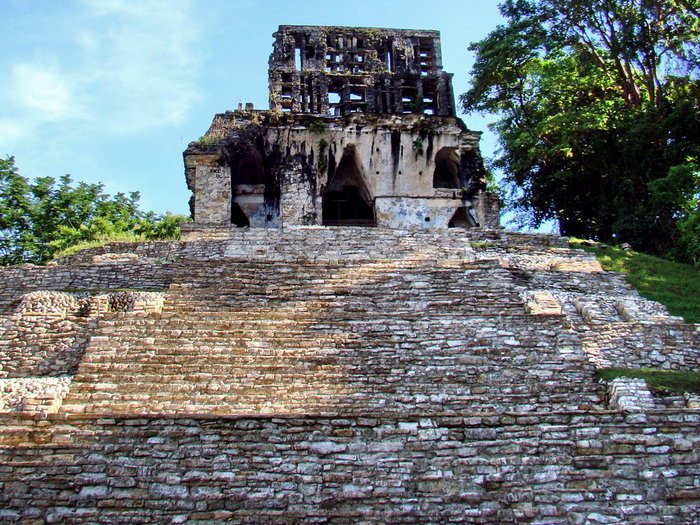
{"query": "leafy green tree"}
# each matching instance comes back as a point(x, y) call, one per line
point(678, 194)
point(596, 100)
point(43, 217)
point(15, 213)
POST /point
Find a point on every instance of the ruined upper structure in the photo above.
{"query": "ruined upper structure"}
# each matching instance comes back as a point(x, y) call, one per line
point(341, 70)
point(361, 131)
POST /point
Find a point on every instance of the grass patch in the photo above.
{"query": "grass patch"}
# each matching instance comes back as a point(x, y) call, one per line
point(661, 381)
point(120, 237)
point(481, 245)
point(673, 284)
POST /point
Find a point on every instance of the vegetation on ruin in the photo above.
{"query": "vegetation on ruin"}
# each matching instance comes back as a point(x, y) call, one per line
point(322, 155)
point(42, 218)
point(316, 125)
point(418, 146)
point(205, 141)
point(481, 245)
point(661, 381)
point(675, 285)
point(598, 107)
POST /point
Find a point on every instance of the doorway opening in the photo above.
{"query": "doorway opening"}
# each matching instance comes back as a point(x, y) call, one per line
point(462, 219)
point(347, 201)
point(446, 173)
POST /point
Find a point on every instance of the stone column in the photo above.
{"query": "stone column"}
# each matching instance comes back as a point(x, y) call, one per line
point(212, 195)
point(488, 210)
point(299, 204)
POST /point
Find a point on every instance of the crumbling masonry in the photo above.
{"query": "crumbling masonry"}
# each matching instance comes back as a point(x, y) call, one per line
point(361, 131)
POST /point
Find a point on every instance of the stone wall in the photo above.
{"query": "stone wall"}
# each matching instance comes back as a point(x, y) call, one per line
point(43, 342)
point(213, 194)
point(564, 468)
point(111, 274)
point(645, 345)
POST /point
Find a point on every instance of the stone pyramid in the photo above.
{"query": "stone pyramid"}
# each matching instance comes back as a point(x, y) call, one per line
point(344, 375)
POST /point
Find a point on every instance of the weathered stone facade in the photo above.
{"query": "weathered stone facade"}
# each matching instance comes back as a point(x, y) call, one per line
point(341, 70)
point(389, 153)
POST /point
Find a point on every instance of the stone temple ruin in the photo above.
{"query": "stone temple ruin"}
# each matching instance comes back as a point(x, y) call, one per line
point(361, 132)
point(294, 373)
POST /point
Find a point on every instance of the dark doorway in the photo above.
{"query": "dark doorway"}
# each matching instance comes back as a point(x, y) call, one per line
point(347, 201)
point(249, 168)
point(446, 169)
point(462, 219)
point(238, 217)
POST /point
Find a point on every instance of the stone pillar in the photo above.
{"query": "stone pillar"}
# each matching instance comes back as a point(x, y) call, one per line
point(212, 195)
point(299, 204)
point(488, 210)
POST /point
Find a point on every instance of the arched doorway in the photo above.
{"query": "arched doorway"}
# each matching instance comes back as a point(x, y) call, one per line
point(446, 173)
point(347, 200)
point(250, 168)
point(247, 183)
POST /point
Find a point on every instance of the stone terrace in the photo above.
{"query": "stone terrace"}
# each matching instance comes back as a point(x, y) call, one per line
point(338, 375)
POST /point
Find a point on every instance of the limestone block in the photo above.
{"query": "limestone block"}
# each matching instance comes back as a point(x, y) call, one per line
point(542, 303)
point(630, 395)
point(115, 258)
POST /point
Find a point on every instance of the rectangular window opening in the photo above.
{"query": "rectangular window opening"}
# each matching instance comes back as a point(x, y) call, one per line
point(297, 58)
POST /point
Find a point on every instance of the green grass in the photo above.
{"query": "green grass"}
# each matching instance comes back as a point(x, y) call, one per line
point(481, 244)
point(120, 237)
point(662, 381)
point(675, 285)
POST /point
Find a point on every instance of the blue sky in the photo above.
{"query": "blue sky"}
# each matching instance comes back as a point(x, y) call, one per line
point(112, 91)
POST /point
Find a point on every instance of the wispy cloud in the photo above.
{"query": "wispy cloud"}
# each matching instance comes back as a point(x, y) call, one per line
point(118, 66)
point(12, 132)
point(37, 88)
point(142, 61)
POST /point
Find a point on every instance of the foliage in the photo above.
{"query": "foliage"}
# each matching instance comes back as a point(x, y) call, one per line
point(481, 245)
point(599, 117)
point(322, 155)
point(43, 217)
point(673, 284)
point(206, 141)
point(662, 381)
point(418, 146)
point(678, 195)
point(119, 237)
point(317, 125)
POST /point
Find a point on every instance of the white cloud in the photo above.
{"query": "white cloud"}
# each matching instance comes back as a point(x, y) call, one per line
point(40, 89)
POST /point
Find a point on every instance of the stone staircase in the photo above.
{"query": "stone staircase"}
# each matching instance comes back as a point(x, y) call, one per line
point(428, 328)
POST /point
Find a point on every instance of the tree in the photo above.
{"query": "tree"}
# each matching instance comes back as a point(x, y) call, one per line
point(42, 217)
point(15, 213)
point(596, 99)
